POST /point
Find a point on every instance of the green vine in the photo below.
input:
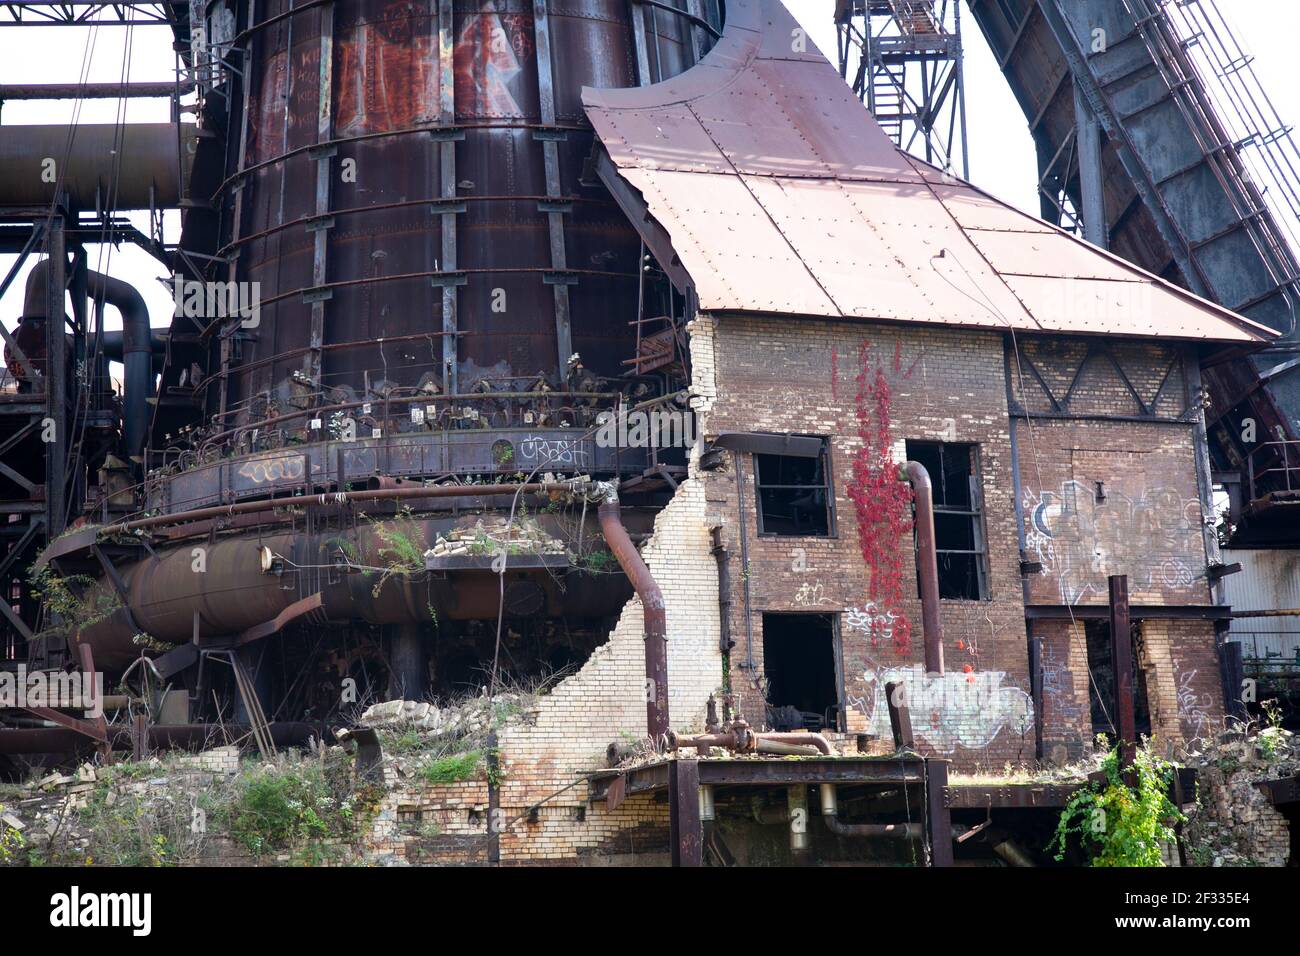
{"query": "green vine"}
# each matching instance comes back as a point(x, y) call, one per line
point(78, 599)
point(1118, 824)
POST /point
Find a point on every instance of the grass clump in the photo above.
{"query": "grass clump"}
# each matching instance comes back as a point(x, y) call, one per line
point(452, 768)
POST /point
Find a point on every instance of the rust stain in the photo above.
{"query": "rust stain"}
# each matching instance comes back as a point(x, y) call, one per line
point(387, 72)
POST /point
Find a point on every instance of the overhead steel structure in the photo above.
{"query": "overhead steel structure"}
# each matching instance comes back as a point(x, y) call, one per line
point(1153, 134)
point(903, 59)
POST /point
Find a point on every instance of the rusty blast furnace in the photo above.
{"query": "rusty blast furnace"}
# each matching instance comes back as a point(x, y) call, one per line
point(407, 298)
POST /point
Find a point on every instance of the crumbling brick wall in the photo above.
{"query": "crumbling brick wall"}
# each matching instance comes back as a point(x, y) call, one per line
point(604, 702)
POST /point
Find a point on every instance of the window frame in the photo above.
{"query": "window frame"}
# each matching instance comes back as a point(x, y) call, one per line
point(827, 486)
point(975, 512)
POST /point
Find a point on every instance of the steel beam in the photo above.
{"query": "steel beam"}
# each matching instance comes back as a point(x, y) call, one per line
point(1088, 136)
point(686, 832)
point(1121, 658)
point(938, 819)
point(447, 190)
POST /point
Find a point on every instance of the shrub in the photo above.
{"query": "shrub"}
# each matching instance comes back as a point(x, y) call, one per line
point(1119, 825)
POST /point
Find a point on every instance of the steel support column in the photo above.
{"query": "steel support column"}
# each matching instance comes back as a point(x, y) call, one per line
point(555, 209)
point(1088, 136)
point(446, 138)
point(1121, 658)
point(321, 225)
point(686, 832)
point(938, 818)
point(55, 425)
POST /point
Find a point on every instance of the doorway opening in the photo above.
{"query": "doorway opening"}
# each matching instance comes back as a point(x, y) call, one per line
point(801, 660)
point(1101, 682)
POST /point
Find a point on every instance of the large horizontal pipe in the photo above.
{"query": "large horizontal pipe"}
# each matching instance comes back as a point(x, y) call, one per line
point(740, 739)
point(831, 815)
point(88, 91)
point(136, 166)
point(377, 494)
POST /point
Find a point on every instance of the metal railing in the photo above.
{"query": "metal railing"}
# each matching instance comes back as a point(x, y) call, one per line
point(1273, 467)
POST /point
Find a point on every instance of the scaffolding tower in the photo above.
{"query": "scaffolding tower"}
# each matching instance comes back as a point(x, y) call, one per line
point(903, 59)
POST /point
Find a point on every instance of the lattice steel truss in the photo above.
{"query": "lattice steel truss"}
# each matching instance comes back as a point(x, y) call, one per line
point(903, 59)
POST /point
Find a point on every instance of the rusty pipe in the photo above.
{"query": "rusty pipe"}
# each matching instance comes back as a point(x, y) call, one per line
point(816, 741)
point(927, 562)
point(777, 748)
point(652, 605)
point(895, 831)
point(830, 815)
point(136, 344)
point(739, 739)
point(341, 497)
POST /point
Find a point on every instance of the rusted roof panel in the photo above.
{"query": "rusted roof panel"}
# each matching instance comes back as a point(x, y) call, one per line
point(781, 194)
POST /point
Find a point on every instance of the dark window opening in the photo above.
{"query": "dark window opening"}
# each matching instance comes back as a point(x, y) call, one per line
point(801, 663)
point(958, 518)
point(793, 495)
point(1101, 682)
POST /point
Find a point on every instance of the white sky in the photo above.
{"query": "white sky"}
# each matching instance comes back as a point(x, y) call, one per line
point(1001, 153)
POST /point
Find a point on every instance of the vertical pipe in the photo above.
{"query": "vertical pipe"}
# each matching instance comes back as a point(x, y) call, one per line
point(744, 561)
point(1121, 658)
point(1036, 691)
point(720, 555)
point(796, 798)
point(927, 563)
point(652, 605)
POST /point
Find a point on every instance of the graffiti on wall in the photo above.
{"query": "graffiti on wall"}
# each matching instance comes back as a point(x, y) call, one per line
point(966, 709)
point(1194, 707)
point(877, 623)
point(1081, 535)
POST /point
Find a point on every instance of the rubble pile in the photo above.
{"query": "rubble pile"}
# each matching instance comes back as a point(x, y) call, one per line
point(492, 534)
point(140, 815)
point(1233, 823)
point(415, 733)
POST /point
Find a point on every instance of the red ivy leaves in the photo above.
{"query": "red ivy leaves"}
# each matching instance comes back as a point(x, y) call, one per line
point(882, 502)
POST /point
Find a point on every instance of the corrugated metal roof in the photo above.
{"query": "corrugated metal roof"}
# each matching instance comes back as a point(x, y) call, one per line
point(780, 194)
